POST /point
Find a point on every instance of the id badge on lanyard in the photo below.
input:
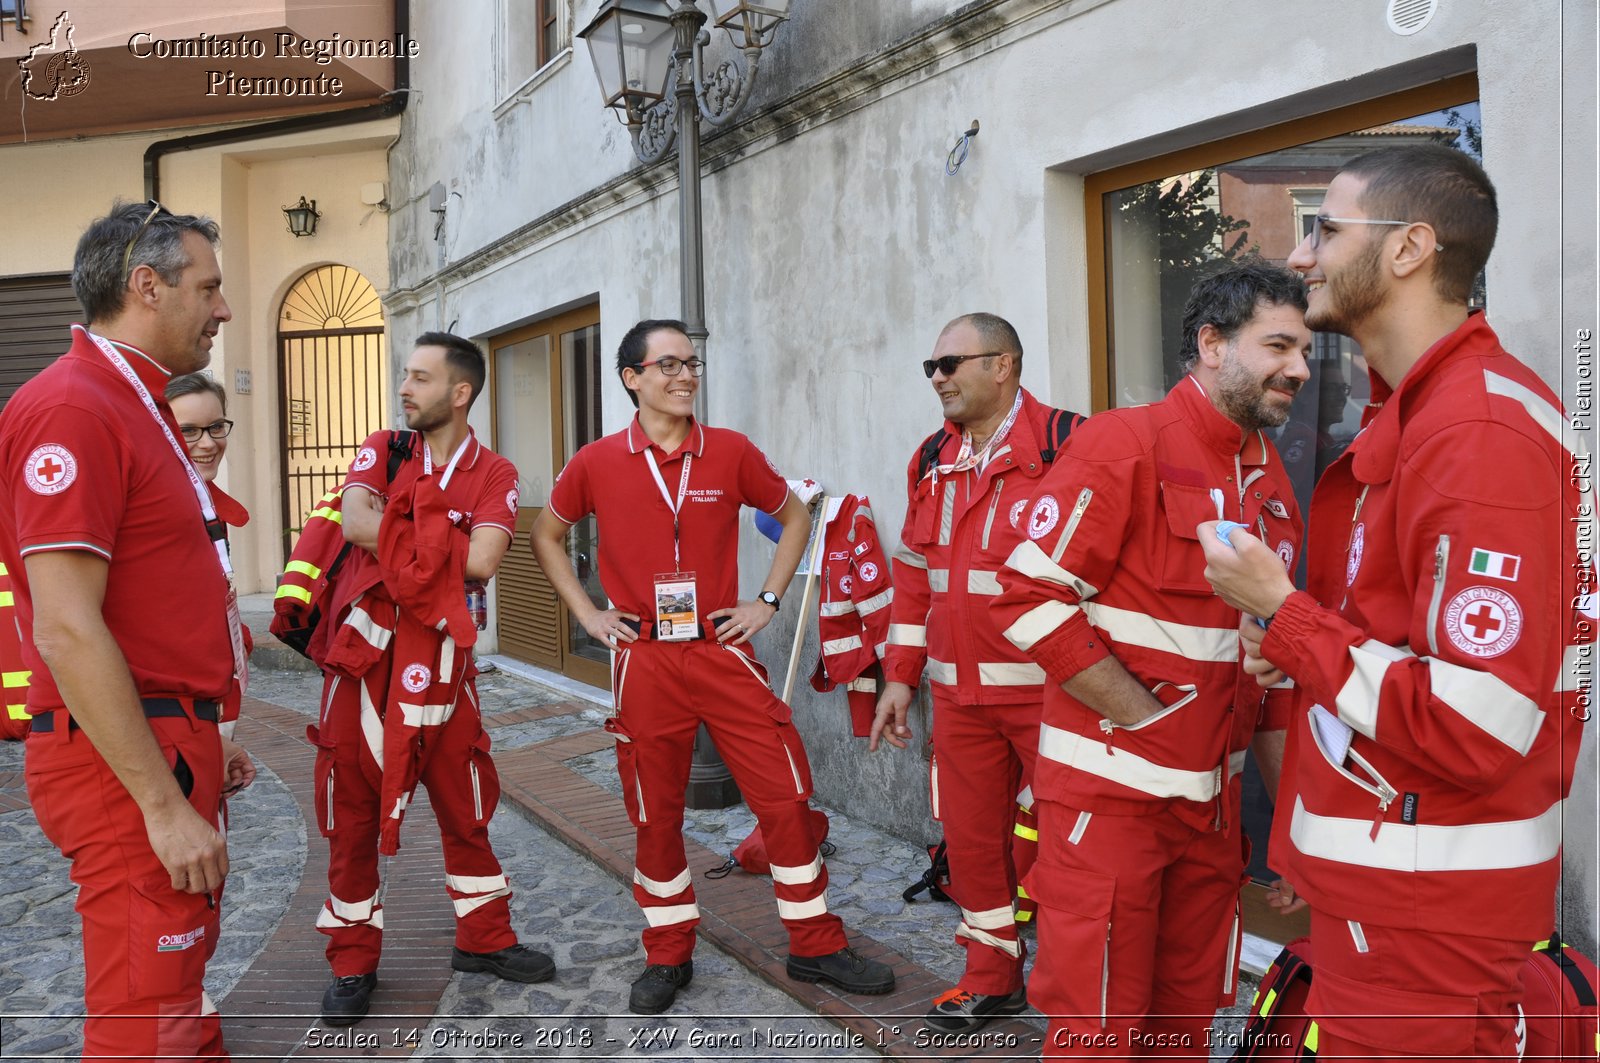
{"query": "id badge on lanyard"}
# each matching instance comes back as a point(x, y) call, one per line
point(677, 608)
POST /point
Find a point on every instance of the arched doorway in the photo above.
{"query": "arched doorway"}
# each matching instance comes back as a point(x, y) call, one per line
point(332, 383)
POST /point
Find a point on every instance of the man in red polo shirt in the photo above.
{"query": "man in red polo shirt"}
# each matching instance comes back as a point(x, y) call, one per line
point(354, 757)
point(130, 626)
point(666, 491)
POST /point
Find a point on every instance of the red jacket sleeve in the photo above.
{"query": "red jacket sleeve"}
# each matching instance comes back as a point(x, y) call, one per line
point(1461, 695)
point(1046, 579)
point(906, 651)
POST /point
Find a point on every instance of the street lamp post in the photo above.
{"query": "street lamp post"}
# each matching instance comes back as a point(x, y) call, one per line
point(639, 44)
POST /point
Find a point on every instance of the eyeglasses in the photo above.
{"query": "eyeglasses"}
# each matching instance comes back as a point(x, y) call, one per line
point(127, 252)
point(1318, 220)
point(216, 430)
point(673, 366)
point(951, 362)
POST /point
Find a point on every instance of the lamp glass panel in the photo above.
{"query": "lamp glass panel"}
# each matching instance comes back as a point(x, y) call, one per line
point(647, 55)
point(757, 16)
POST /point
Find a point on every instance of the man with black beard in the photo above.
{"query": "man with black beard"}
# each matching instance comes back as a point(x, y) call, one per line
point(1147, 712)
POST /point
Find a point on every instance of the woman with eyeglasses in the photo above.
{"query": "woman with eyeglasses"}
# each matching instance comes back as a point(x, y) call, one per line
point(200, 405)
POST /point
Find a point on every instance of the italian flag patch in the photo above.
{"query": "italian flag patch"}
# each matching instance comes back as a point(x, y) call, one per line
point(1495, 566)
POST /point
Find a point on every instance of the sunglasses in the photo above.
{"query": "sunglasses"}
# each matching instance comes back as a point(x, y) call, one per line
point(127, 252)
point(951, 362)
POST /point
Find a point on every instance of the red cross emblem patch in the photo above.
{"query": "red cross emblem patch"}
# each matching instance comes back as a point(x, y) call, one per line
point(416, 677)
point(1483, 621)
point(50, 469)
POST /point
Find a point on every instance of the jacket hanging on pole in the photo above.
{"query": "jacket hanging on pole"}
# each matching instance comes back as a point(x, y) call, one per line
point(854, 610)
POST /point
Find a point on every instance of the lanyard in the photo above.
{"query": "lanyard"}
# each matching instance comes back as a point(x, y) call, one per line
point(676, 507)
point(966, 459)
point(449, 470)
point(202, 494)
point(208, 512)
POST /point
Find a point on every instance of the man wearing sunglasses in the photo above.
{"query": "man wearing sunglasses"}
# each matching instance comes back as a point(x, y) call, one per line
point(666, 492)
point(973, 496)
point(131, 628)
point(1147, 712)
point(1435, 648)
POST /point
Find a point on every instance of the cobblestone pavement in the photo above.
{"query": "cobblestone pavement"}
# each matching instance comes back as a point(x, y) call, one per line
point(563, 904)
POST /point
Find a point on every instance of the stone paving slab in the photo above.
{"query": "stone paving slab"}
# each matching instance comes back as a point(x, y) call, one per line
point(562, 800)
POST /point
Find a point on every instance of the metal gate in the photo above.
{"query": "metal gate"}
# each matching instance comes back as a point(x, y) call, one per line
point(332, 384)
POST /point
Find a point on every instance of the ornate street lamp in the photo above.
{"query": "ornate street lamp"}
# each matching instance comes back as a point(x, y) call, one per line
point(649, 57)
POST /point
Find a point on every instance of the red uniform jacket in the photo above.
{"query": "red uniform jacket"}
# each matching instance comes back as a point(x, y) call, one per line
point(854, 608)
point(1110, 564)
point(1447, 621)
point(959, 530)
point(404, 631)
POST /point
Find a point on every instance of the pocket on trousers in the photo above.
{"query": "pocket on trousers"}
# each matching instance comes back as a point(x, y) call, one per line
point(1401, 1022)
point(324, 776)
point(632, 788)
point(483, 780)
point(1075, 907)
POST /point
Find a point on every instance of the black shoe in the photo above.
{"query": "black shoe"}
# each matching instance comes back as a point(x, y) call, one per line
point(654, 991)
point(516, 963)
point(844, 969)
point(345, 1002)
point(961, 1010)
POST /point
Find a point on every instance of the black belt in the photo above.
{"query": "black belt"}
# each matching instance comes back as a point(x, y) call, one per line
point(154, 709)
point(647, 629)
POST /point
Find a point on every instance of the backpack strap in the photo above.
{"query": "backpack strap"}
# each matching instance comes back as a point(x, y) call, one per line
point(1556, 949)
point(401, 446)
point(1057, 428)
point(928, 452)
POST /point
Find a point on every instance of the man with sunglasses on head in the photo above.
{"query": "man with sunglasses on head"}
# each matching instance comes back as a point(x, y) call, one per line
point(1448, 598)
point(972, 490)
point(426, 524)
point(666, 492)
point(130, 625)
point(1147, 711)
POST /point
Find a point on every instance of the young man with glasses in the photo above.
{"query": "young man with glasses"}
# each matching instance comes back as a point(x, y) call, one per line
point(1448, 595)
point(403, 652)
point(971, 490)
point(1147, 712)
point(131, 628)
point(666, 492)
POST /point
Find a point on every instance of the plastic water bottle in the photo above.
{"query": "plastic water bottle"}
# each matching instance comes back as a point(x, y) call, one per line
point(478, 604)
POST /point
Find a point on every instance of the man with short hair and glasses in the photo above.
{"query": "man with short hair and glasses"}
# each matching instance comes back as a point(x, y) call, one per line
point(131, 627)
point(1147, 712)
point(1438, 716)
point(666, 492)
point(971, 490)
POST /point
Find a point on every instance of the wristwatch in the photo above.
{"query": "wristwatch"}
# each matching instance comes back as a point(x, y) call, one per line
point(770, 598)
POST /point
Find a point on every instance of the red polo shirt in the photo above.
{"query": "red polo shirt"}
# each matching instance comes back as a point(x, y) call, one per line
point(484, 485)
point(85, 467)
point(611, 479)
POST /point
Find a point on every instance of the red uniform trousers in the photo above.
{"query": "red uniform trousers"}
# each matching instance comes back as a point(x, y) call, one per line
point(1387, 993)
point(1138, 932)
point(145, 944)
point(664, 691)
point(463, 788)
point(983, 757)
